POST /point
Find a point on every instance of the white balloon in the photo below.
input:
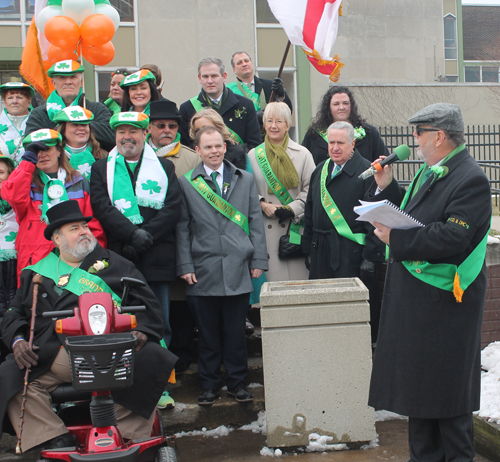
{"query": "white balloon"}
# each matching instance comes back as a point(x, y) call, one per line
point(47, 13)
point(110, 11)
point(78, 9)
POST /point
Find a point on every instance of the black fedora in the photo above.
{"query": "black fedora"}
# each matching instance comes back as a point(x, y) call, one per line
point(164, 109)
point(62, 213)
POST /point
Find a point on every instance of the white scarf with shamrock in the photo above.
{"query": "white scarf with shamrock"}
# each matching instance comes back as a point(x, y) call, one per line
point(150, 188)
point(11, 137)
point(8, 232)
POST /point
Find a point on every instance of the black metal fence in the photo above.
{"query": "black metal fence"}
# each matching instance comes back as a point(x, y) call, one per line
point(483, 143)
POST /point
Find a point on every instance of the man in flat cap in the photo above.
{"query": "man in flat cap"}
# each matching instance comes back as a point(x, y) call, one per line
point(427, 361)
point(67, 78)
point(137, 196)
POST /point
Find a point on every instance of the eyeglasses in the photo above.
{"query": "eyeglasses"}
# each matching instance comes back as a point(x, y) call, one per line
point(171, 126)
point(419, 130)
point(277, 122)
point(118, 72)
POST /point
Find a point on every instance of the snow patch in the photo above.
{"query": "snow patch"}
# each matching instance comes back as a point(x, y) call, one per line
point(490, 383)
point(381, 416)
point(255, 385)
point(371, 445)
point(258, 426)
point(215, 433)
point(320, 443)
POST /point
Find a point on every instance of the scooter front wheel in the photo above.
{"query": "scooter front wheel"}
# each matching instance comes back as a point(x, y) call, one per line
point(166, 454)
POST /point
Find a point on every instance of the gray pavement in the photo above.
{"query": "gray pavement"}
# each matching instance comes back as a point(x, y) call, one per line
point(495, 222)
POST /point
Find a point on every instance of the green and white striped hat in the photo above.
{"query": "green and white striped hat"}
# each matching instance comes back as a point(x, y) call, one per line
point(17, 86)
point(75, 114)
point(137, 119)
point(67, 67)
point(45, 135)
point(137, 77)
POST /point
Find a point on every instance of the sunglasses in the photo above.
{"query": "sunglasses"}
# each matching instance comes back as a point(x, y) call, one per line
point(118, 72)
point(419, 130)
point(171, 126)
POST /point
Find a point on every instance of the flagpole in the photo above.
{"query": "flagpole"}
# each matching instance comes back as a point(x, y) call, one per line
point(280, 71)
point(83, 77)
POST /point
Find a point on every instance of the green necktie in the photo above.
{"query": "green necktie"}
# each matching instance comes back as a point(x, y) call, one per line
point(425, 176)
point(336, 170)
point(214, 179)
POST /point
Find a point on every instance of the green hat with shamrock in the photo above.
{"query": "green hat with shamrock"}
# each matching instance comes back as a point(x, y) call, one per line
point(67, 67)
point(137, 119)
point(8, 159)
point(137, 77)
point(75, 114)
point(45, 135)
point(17, 86)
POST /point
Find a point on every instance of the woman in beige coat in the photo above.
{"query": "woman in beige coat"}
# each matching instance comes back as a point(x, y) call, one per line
point(293, 165)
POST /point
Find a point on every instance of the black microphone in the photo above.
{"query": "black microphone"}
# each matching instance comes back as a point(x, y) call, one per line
point(400, 153)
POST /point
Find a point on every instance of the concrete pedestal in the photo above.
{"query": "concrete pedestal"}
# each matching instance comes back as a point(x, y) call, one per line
point(317, 361)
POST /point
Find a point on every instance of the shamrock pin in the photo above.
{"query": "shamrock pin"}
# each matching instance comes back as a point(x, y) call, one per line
point(122, 205)
point(359, 133)
point(62, 66)
point(11, 237)
point(152, 186)
point(77, 114)
point(439, 172)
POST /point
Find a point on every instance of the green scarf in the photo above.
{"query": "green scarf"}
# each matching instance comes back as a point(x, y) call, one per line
point(81, 161)
point(146, 109)
point(53, 192)
point(281, 164)
point(113, 106)
point(4, 207)
point(213, 104)
point(55, 103)
point(150, 188)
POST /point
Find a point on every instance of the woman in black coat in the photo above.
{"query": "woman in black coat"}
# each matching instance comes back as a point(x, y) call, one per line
point(338, 104)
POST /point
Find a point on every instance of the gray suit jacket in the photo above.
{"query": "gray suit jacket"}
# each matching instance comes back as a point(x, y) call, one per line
point(218, 251)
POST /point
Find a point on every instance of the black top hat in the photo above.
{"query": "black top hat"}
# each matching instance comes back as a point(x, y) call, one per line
point(164, 109)
point(62, 213)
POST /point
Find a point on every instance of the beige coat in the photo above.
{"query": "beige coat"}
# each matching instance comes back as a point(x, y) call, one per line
point(184, 161)
point(293, 269)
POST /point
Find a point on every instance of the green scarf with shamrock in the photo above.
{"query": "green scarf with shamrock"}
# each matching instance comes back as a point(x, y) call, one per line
point(8, 232)
point(81, 161)
point(55, 103)
point(53, 192)
point(150, 188)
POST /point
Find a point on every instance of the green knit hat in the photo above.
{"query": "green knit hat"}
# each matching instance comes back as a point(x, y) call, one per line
point(137, 77)
point(67, 67)
point(45, 135)
point(8, 159)
point(75, 114)
point(137, 119)
point(17, 86)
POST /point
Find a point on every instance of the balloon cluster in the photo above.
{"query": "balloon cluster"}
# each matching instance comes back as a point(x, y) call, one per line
point(75, 27)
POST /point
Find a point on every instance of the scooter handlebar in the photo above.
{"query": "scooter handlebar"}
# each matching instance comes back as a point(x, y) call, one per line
point(131, 309)
point(58, 314)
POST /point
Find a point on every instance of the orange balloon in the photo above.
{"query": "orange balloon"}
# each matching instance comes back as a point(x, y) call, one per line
point(63, 32)
point(56, 54)
point(96, 29)
point(99, 55)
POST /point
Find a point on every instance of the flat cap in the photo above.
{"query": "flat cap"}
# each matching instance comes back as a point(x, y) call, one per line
point(137, 119)
point(444, 116)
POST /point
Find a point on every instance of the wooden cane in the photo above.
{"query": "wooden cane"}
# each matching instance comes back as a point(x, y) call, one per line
point(280, 71)
point(37, 280)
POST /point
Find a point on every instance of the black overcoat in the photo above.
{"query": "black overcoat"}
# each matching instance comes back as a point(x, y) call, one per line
point(153, 363)
point(158, 262)
point(100, 125)
point(427, 360)
point(237, 112)
point(321, 240)
point(371, 147)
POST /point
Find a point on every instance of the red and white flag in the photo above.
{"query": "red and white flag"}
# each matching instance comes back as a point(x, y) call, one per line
point(312, 25)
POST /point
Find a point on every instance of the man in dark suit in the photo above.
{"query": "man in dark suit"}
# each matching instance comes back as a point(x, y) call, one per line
point(427, 361)
point(257, 89)
point(237, 111)
point(136, 197)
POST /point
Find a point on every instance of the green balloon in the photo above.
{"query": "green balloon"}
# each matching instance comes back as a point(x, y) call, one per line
point(98, 2)
point(54, 2)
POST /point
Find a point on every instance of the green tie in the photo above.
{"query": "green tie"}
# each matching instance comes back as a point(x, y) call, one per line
point(425, 176)
point(214, 179)
point(336, 170)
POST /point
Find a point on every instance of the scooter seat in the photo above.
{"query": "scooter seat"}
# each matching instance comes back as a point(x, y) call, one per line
point(66, 393)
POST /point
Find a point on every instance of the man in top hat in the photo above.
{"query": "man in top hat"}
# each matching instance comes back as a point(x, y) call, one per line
point(427, 360)
point(67, 78)
point(165, 139)
point(17, 99)
point(137, 196)
point(237, 111)
point(257, 89)
point(77, 257)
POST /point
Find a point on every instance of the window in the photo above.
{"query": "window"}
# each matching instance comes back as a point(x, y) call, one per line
point(264, 13)
point(450, 37)
point(10, 10)
point(472, 73)
point(125, 8)
point(488, 73)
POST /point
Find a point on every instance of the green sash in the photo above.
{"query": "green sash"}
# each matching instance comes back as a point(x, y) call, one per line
point(113, 106)
point(243, 89)
point(80, 281)
point(322, 134)
point(279, 190)
point(333, 211)
point(199, 107)
point(218, 203)
point(446, 276)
